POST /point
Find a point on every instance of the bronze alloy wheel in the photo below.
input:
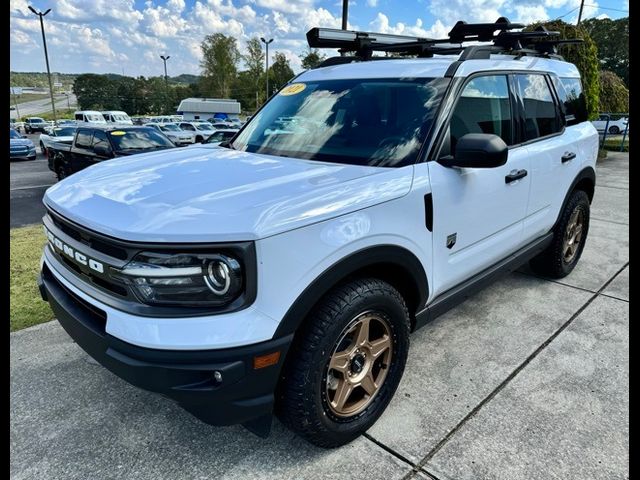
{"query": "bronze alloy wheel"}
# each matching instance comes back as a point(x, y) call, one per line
point(573, 235)
point(359, 364)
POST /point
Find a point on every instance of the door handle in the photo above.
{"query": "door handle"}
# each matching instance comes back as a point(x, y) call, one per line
point(515, 175)
point(568, 156)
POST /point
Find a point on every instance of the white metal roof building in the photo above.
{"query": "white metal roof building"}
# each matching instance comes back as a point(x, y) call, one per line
point(204, 108)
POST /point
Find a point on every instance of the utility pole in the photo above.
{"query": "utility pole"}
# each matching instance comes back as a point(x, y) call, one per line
point(46, 58)
point(256, 100)
point(267, 42)
point(345, 13)
point(166, 81)
point(580, 13)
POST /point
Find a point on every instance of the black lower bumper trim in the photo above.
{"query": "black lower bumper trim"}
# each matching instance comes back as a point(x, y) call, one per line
point(242, 395)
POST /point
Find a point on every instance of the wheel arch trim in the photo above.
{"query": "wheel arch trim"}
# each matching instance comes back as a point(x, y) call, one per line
point(393, 255)
point(586, 174)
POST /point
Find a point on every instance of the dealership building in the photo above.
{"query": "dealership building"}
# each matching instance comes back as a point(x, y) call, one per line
point(204, 108)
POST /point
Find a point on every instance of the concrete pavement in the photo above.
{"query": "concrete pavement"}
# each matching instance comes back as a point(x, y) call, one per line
point(527, 379)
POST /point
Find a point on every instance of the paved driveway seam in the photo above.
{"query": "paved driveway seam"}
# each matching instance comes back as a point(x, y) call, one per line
point(421, 464)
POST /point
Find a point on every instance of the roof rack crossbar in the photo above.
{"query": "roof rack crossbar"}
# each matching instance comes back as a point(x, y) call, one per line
point(539, 42)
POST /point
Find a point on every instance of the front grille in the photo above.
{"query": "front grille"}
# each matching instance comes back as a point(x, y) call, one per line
point(88, 239)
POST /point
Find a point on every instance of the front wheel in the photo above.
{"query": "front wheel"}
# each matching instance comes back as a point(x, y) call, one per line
point(569, 237)
point(614, 130)
point(346, 363)
point(61, 171)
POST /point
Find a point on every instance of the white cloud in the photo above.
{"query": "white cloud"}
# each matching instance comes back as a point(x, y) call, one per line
point(381, 24)
point(372, 3)
point(19, 6)
point(530, 13)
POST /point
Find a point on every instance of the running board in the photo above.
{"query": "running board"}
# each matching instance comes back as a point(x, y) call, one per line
point(458, 294)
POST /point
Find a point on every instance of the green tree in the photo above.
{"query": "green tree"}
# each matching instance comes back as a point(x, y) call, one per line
point(614, 95)
point(280, 72)
point(311, 58)
point(584, 55)
point(612, 40)
point(219, 64)
point(96, 92)
point(254, 60)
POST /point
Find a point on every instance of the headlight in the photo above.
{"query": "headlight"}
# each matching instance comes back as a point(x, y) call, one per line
point(194, 279)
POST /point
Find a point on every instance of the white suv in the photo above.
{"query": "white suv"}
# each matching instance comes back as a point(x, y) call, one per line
point(285, 272)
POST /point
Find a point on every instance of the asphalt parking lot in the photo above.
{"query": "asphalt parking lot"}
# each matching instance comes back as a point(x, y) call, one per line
point(28, 181)
point(527, 379)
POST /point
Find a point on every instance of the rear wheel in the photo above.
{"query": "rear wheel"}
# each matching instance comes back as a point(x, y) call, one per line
point(199, 139)
point(346, 363)
point(569, 237)
point(614, 130)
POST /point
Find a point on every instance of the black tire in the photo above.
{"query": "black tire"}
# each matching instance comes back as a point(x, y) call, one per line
point(552, 261)
point(302, 396)
point(614, 130)
point(61, 171)
point(199, 139)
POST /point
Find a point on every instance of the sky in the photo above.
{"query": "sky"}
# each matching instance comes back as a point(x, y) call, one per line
point(128, 36)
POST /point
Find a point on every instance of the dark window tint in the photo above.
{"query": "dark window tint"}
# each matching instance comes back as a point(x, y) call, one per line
point(375, 122)
point(540, 112)
point(483, 107)
point(100, 138)
point(572, 97)
point(83, 139)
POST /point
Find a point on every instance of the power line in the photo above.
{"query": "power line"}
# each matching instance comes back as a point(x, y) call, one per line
point(569, 12)
point(606, 8)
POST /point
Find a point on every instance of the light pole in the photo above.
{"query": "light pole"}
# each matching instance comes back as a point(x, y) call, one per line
point(166, 82)
point(267, 42)
point(46, 57)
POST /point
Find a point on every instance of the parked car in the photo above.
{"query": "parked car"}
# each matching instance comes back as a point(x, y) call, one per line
point(202, 130)
point(284, 274)
point(95, 144)
point(35, 124)
point(174, 133)
point(90, 117)
point(66, 122)
point(614, 127)
point(117, 116)
point(56, 134)
point(20, 147)
point(222, 135)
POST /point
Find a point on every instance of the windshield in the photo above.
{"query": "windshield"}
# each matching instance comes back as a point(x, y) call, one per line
point(14, 134)
point(36, 120)
point(170, 128)
point(203, 126)
point(64, 131)
point(141, 139)
point(375, 122)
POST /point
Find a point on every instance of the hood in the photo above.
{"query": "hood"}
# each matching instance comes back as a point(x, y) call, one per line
point(210, 195)
point(20, 142)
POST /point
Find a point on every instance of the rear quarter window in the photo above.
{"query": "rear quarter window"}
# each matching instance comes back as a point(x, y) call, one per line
point(572, 99)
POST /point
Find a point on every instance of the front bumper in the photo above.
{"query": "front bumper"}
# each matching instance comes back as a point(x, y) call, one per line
point(22, 155)
point(243, 394)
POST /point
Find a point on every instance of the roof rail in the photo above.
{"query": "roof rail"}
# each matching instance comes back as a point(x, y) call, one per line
point(539, 42)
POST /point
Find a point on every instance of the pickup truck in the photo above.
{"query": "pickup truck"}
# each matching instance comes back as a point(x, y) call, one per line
point(92, 145)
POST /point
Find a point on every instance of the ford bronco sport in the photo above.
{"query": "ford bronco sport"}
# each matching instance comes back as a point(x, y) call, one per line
point(283, 273)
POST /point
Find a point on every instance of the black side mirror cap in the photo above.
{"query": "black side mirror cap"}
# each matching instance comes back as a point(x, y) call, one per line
point(477, 150)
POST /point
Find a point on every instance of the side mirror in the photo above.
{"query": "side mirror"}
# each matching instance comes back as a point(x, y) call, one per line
point(103, 151)
point(477, 150)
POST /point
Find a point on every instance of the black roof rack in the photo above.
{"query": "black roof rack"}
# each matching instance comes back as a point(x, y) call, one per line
point(539, 42)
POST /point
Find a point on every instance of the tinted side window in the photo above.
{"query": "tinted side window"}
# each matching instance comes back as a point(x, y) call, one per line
point(483, 107)
point(572, 97)
point(540, 112)
point(83, 140)
point(100, 138)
